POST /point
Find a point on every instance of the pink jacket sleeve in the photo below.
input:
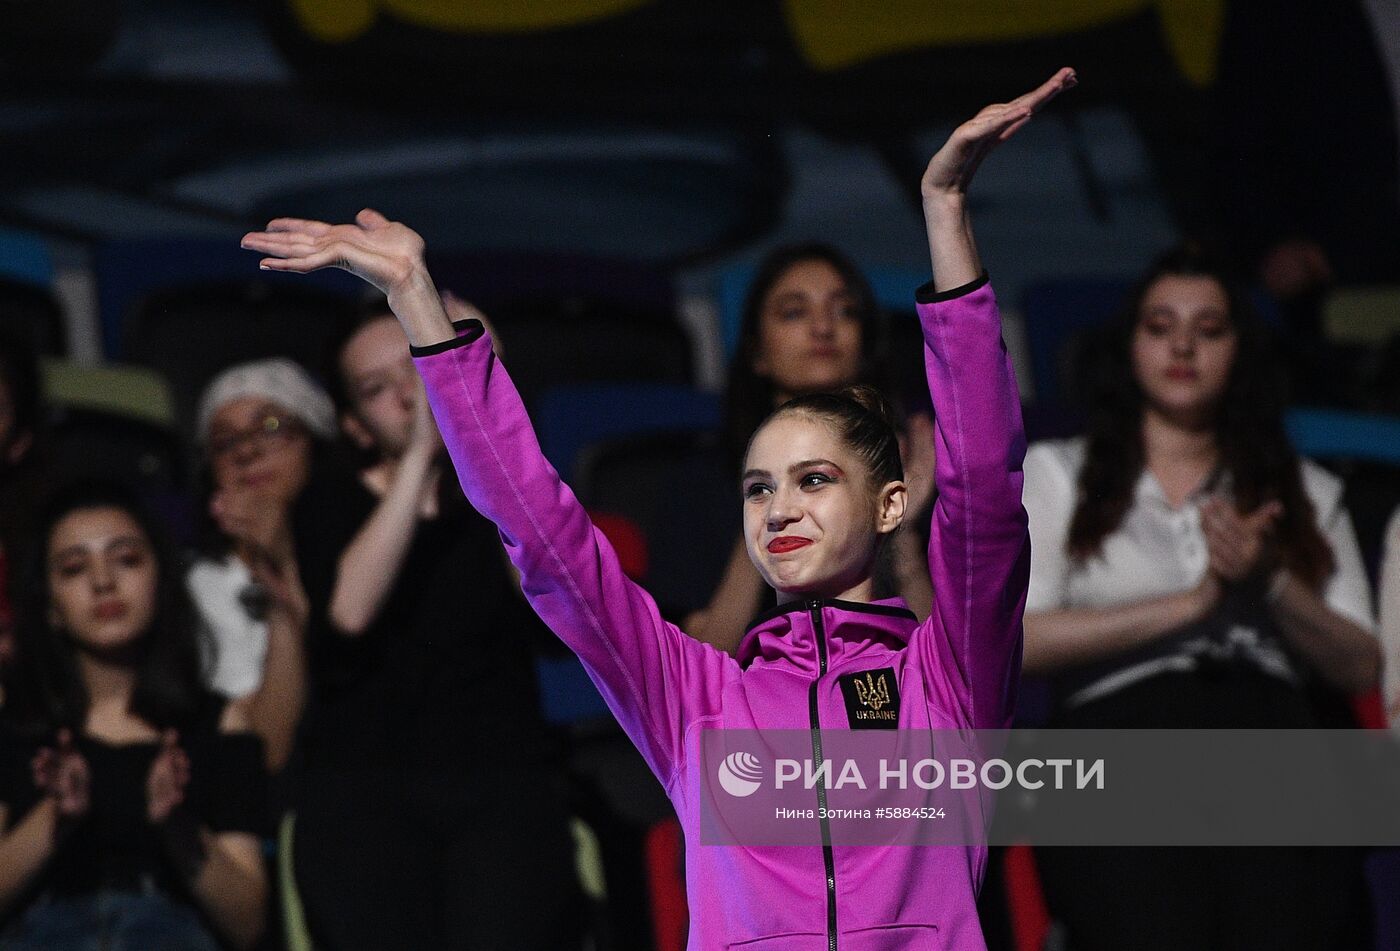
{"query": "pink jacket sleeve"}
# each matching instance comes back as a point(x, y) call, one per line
point(655, 679)
point(979, 548)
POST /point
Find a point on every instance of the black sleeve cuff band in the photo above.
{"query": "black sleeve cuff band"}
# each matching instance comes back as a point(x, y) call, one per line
point(927, 295)
point(468, 331)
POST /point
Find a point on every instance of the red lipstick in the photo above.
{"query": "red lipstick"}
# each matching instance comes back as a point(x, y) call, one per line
point(786, 543)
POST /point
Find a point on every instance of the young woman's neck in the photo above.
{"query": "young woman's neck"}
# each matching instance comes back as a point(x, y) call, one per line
point(109, 683)
point(1179, 454)
point(1169, 439)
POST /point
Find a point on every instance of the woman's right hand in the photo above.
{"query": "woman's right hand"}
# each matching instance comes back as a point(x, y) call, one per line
point(256, 518)
point(285, 592)
point(385, 253)
point(61, 774)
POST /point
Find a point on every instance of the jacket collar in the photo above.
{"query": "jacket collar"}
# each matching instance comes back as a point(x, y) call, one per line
point(788, 631)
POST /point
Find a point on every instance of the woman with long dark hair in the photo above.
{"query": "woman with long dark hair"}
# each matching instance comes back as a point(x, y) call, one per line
point(821, 491)
point(130, 796)
point(1189, 570)
point(815, 289)
point(810, 324)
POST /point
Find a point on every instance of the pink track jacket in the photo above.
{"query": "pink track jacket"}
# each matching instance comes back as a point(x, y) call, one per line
point(958, 669)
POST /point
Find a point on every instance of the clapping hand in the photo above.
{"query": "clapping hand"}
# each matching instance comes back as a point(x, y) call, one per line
point(61, 773)
point(1240, 545)
point(165, 783)
point(254, 516)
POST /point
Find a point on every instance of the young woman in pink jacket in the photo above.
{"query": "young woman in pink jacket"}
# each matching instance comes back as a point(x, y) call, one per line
point(821, 493)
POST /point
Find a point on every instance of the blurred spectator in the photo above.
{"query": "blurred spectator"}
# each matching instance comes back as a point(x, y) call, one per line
point(1297, 275)
point(131, 795)
point(258, 424)
point(1324, 167)
point(810, 324)
point(429, 813)
point(1189, 570)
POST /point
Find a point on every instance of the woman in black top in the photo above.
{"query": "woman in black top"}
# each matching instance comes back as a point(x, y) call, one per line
point(428, 809)
point(130, 797)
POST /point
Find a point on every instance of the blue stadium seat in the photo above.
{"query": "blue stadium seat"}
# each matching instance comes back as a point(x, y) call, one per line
point(1058, 313)
point(129, 272)
point(25, 257)
point(1342, 434)
point(570, 418)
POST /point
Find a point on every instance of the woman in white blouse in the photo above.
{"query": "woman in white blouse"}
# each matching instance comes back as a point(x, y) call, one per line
point(1189, 570)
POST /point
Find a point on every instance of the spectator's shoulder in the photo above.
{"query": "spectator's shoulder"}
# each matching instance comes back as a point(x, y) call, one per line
point(1392, 534)
point(1323, 488)
point(1064, 457)
point(205, 570)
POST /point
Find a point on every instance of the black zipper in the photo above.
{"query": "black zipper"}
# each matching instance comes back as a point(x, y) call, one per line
point(815, 607)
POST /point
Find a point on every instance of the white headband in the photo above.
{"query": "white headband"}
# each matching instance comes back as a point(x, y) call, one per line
point(277, 380)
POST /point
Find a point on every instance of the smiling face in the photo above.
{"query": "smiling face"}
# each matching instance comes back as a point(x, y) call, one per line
point(809, 331)
point(255, 443)
point(1184, 347)
point(103, 578)
point(812, 519)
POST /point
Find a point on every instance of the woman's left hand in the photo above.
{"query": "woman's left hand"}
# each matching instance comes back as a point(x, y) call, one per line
point(1239, 546)
point(165, 784)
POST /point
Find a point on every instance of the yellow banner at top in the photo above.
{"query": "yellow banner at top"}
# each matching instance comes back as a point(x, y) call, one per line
point(835, 34)
point(339, 21)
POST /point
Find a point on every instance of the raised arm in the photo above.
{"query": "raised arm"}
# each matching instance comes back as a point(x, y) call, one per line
point(979, 551)
point(949, 174)
point(654, 678)
point(370, 564)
